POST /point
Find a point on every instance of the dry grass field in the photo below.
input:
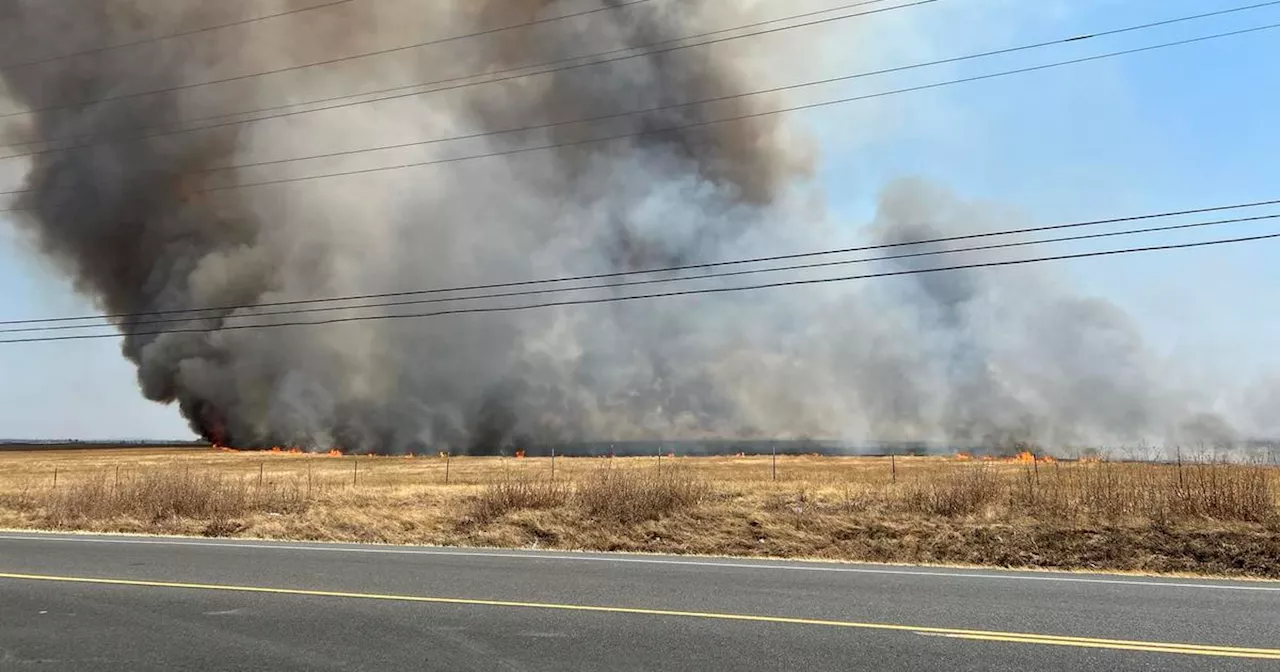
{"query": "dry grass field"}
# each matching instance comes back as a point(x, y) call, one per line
point(1197, 518)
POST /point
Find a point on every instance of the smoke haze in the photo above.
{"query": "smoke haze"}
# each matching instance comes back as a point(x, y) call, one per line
point(988, 358)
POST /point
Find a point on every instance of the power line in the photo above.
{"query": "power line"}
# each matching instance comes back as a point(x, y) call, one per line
point(736, 96)
point(659, 295)
point(171, 36)
point(725, 120)
point(380, 52)
point(654, 281)
point(510, 74)
point(666, 269)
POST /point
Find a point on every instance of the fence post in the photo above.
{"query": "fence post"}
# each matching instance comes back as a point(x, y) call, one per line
point(775, 461)
point(659, 459)
point(448, 456)
point(262, 467)
point(893, 466)
point(355, 469)
point(1035, 460)
point(117, 478)
point(55, 477)
point(308, 480)
point(553, 463)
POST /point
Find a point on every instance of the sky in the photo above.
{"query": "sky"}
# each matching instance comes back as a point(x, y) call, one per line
point(1186, 127)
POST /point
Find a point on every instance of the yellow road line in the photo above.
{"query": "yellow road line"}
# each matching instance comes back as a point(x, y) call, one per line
point(958, 633)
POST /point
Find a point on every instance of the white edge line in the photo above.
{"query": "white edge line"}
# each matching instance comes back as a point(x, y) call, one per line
point(633, 560)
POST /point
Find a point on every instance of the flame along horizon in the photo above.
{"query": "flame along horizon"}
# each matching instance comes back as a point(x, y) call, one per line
point(1022, 457)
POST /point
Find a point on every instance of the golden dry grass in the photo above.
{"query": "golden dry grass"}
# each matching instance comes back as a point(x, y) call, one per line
point(1202, 518)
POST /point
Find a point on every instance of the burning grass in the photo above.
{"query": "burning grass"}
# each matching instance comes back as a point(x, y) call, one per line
point(1203, 518)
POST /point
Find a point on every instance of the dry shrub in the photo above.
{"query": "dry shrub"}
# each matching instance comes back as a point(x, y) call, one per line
point(516, 494)
point(1220, 492)
point(162, 495)
point(961, 492)
point(628, 496)
point(1158, 493)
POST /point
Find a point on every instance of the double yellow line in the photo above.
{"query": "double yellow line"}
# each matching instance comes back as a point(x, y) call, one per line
point(956, 633)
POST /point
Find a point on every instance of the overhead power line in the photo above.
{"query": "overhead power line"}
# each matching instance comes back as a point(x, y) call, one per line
point(193, 312)
point(331, 61)
point(171, 36)
point(725, 120)
point(736, 96)
point(658, 295)
point(491, 77)
point(655, 281)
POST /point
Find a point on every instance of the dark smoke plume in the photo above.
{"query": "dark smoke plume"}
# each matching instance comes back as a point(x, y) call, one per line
point(956, 357)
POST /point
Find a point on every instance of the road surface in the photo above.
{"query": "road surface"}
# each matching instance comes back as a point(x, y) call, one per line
point(70, 602)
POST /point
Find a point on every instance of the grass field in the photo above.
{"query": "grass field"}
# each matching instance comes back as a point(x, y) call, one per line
point(1207, 518)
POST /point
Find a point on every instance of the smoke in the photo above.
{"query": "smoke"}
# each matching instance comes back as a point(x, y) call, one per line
point(956, 357)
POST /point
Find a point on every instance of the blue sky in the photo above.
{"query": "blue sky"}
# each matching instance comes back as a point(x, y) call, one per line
point(1185, 127)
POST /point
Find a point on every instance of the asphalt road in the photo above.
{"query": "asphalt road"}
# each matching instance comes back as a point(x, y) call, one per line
point(123, 603)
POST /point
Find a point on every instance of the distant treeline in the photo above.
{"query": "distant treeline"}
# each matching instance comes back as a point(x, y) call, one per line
point(21, 444)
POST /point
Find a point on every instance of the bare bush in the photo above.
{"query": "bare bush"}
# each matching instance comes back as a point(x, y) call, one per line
point(629, 496)
point(1220, 492)
point(161, 495)
point(515, 494)
point(960, 492)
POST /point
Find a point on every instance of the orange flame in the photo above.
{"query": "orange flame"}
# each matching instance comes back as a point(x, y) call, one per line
point(964, 457)
point(1026, 456)
point(334, 452)
point(519, 454)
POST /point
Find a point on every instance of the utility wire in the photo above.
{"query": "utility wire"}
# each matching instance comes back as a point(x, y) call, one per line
point(654, 281)
point(171, 36)
point(725, 98)
point(666, 269)
point(369, 54)
point(512, 73)
point(725, 120)
point(659, 295)
point(1076, 38)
